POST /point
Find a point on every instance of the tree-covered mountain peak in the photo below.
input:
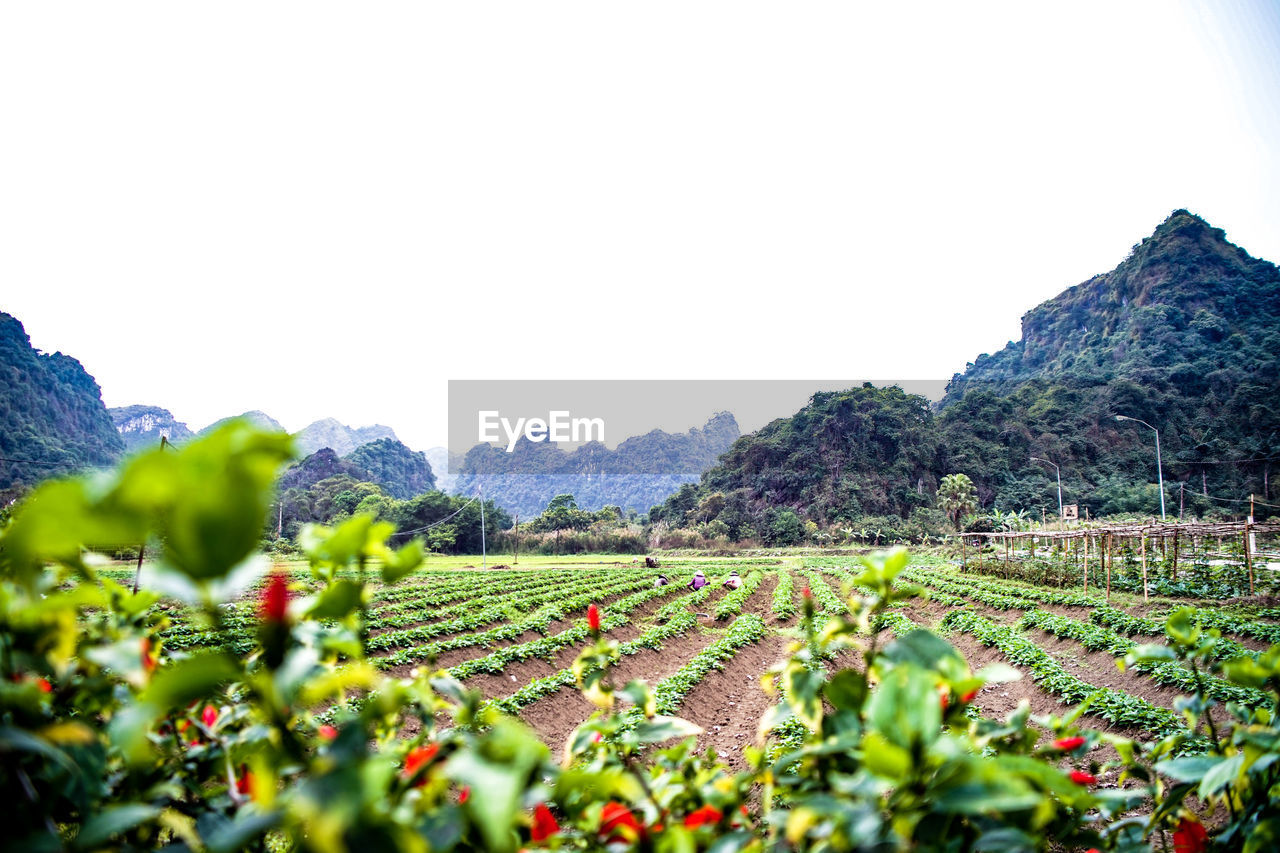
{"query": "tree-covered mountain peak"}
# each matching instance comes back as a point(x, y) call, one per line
point(1179, 294)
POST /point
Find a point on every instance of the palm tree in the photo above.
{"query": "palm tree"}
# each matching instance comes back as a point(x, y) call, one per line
point(957, 497)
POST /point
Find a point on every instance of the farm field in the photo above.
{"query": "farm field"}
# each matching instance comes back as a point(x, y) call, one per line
point(513, 635)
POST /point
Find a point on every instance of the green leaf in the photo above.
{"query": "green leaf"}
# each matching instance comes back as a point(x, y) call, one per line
point(847, 690)
point(884, 759)
point(1189, 769)
point(112, 821)
point(403, 562)
point(1221, 775)
point(337, 600)
point(928, 651)
point(664, 728)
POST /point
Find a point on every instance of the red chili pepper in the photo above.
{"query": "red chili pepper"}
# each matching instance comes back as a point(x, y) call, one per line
point(1082, 778)
point(244, 782)
point(419, 758)
point(613, 817)
point(274, 605)
point(209, 715)
point(806, 593)
point(149, 658)
point(1190, 837)
point(703, 816)
point(327, 732)
point(464, 794)
point(969, 697)
point(44, 685)
point(1066, 744)
point(544, 823)
point(593, 617)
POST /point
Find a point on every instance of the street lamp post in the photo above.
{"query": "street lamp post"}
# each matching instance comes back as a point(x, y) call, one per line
point(1059, 473)
point(1159, 470)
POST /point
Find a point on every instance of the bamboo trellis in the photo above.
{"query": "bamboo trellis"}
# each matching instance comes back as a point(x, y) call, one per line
point(1148, 533)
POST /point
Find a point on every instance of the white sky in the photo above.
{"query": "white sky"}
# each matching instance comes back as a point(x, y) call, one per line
point(321, 209)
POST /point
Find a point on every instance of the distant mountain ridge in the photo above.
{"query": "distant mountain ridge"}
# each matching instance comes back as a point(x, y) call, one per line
point(52, 417)
point(141, 427)
point(328, 432)
point(259, 419)
point(642, 470)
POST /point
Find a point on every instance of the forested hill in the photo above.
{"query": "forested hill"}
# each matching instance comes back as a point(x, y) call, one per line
point(1183, 334)
point(1182, 302)
point(642, 471)
point(51, 412)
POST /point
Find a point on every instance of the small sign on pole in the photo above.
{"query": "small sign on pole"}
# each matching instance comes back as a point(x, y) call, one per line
point(1070, 512)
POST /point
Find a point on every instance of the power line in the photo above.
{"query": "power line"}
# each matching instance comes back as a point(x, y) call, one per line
point(1240, 501)
point(434, 524)
point(1223, 461)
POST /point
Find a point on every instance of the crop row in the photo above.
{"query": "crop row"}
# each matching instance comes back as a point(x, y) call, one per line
point(997, 594)
point(1126, 623)
point(556, 601)
point(238, 622)
point(1112, 705)
point(540, 687)
point(670, 691)
point(828, 602)
point(731, 603)
point(784, 604)
point(1233, 623)
point(543, 646)
point(1096, 638)
point(996, 600)
point(431, 595)
point(616, 616)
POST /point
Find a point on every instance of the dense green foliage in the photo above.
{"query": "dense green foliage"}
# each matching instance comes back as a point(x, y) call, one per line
point(51, 413)
point(401, 472)
point(1184, 334)
point(641, 471)
point(323, 488)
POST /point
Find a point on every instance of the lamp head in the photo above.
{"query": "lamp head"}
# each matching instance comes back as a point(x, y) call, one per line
point(1123, 418)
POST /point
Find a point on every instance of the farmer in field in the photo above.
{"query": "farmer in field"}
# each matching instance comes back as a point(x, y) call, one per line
point(699, 580)
point(660, 582)
point(733, 581)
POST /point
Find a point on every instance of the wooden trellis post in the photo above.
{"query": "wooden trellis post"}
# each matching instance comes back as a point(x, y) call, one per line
point(1248, 557)
point(1143, 548)
point(1175, 555)
point(1086, 564)
point(1106, 562)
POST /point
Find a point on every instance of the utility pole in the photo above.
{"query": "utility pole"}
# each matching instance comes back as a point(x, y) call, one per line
point(1159, 469)
point(484, 555)
point(1182, 488)
point(516, 529)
